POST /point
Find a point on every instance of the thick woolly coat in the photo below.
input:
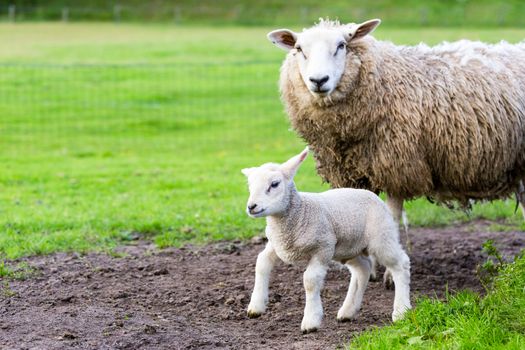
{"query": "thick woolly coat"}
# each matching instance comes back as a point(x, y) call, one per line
point(446, 122)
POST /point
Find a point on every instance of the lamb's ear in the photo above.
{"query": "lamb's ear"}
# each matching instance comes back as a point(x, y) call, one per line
point(283, 38)
point(247, 171)
point(358, 31)
point(290, 167)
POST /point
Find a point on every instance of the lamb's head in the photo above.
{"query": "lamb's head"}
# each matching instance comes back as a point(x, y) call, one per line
point(321, 52)
point(271, 186)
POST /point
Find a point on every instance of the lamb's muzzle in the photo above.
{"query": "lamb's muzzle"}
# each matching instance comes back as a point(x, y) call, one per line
point(345, 225)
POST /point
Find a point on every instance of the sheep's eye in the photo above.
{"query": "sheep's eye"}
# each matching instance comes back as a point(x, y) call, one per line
point(298, 49)
point(341, 46)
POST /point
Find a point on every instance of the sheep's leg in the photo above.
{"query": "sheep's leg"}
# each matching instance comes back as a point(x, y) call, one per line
point(401, 275)
point(265, 262)
point(373, 268)
point(360, 269)
point(395, 204)
point(313, 280)
point(520, 195)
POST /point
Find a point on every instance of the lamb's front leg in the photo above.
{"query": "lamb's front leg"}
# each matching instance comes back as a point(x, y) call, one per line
point(265, 262)
point(313, 280)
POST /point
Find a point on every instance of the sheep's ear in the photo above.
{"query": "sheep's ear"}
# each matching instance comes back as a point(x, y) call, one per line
point(290, 167)
point(283, 38)
point(358, 31)
point(247, 171)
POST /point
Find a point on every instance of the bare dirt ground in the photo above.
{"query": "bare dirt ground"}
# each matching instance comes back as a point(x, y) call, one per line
point(195, 298)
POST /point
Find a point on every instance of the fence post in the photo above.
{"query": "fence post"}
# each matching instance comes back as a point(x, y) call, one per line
point(177, 14)
point(12, 13)
point(65, 14)
point(304, 15)
point(502, 14)
point(116, 13)
point(424, 16)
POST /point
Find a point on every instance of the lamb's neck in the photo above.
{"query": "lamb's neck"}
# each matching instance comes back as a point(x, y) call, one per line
point(291, 216)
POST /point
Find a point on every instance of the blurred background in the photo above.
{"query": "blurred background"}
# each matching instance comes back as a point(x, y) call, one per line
point(246, 12)
point(122, 120)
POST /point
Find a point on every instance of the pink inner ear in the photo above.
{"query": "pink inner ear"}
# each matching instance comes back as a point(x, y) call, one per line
point(303, 156)
point(287, 39)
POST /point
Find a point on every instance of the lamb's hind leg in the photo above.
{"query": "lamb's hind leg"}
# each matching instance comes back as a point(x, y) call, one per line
point(400, 268)
point(360, 268)
point(395, 204)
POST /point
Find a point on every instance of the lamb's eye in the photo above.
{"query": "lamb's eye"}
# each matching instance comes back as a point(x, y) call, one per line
point(274, 184)
point(341, 46)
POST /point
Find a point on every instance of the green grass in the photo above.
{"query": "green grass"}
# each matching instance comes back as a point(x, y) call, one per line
point(463, 321)
point(110, 132)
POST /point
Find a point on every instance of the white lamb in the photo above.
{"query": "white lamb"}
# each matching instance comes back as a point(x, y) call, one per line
point(345, 225)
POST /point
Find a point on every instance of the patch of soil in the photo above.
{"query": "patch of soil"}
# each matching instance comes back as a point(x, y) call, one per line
point(196, 297)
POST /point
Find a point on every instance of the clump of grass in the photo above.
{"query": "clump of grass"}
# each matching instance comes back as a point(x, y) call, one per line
point(462, 321)
point(488, 271)
point(6, 291)
point(21, 271)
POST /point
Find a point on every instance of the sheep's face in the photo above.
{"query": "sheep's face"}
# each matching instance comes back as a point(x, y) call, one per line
point(321, 52)
point(271, 185)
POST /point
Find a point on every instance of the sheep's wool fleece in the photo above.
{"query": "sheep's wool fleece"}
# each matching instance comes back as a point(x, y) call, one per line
point(446, 122)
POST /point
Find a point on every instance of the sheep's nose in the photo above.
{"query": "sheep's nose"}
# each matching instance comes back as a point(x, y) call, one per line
point(252, 207)
point(319, 81)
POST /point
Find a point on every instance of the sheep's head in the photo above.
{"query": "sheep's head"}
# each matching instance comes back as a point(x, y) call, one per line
point(321, 51)
point(271, 186)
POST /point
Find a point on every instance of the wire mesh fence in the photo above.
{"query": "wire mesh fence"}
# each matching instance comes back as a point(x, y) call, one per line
point(432, 13)
point(102, 108)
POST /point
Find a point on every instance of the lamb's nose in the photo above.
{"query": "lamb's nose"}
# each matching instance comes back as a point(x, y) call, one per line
point(319, 81)
point(252, 206)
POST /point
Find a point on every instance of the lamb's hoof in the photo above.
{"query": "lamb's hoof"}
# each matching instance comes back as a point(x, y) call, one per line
point(309, 330)
point(344, 319)
point(400, 313)
point(253, 314)
point(373, 278)
point(396, 316)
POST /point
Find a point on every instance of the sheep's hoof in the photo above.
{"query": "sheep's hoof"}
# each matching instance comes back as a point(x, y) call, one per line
point(344, 319)
point(309, 330)
point(373, 277)
point(253, 314)
point(388, 282)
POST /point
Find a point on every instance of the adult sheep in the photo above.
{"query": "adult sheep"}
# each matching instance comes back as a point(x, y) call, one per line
point(446, 122)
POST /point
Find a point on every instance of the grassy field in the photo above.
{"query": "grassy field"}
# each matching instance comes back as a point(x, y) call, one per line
point(113, 132)
point(464, 321)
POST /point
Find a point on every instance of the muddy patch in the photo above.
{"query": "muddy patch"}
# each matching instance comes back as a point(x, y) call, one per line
point(195, 298)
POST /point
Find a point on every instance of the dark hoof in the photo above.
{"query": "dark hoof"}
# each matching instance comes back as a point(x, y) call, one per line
point(310, 330)
point(373, 278)
point(252, 314)
point(344, 320)
point(388, 284)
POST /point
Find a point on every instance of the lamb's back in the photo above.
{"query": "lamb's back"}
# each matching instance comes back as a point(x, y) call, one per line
point(347, 208)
